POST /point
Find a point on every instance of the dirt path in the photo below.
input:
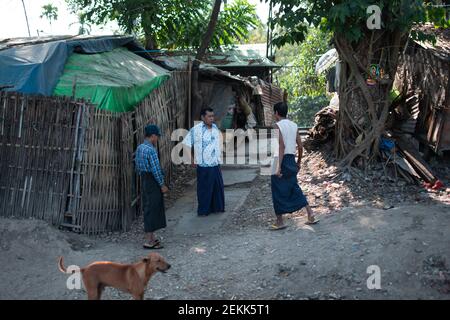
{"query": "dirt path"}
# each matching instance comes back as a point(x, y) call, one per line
point(234, 256)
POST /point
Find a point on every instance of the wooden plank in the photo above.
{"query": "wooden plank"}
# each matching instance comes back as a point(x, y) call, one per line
point(415, 159)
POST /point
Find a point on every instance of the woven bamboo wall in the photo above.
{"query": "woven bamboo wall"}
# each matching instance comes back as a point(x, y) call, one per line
point(99, 208)
point(37, 148)
point(72, 165)
point(166, 107)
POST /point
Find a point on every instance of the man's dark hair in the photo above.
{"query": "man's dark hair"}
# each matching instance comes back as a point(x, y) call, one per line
point(281, 108)
point(204, 110)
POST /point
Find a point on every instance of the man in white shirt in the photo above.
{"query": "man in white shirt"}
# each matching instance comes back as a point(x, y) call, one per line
point(205, 137)
point(287, 195)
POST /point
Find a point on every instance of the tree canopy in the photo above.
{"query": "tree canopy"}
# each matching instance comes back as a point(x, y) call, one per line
point(365, 33)
point(299, 76)
point(171, 23)
point(50, 12)
point(349, 17)
point(305, 88)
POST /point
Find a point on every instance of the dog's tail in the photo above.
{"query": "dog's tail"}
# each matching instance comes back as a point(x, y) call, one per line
point(61, 265)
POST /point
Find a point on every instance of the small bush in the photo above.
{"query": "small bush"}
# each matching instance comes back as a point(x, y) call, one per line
point(302, 109)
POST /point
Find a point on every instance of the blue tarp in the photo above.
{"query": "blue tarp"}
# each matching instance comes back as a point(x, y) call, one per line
point(36, 69)
point(33, 69)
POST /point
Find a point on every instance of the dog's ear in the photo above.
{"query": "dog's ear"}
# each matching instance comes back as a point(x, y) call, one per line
point(146, 260)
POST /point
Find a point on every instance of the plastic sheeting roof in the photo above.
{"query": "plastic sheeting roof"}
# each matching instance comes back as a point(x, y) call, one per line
point(115, 80)
point(327, 60)
point(34, 65)
point(251, 55)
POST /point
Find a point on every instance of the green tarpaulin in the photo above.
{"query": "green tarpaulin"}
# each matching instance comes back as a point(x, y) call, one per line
point(117, 80)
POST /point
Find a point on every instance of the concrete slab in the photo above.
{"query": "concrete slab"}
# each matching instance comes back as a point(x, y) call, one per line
point(183, 215)
point(233, 176)
point(259, 155)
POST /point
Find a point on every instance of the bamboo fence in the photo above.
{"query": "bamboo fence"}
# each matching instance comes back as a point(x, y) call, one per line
point(68, 163)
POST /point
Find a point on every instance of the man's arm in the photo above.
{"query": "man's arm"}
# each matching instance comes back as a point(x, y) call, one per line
point(299, 149)
point(281, 148)
point(192, 152)
point(219, 143)
point(155, 168)
point(188, 142)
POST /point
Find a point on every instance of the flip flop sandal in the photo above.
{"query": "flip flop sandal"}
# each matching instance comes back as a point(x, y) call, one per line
point(154, 245)
point(312, 222)
point(274, 227)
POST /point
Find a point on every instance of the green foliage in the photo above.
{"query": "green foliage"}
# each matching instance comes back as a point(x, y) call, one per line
point(50, 12)
point(83, 26)
point(257, 35)
point(306, 90)
point(303, 109)
point(299, 77)
point(346, 19)
point(234, 23)
point(349, 17)
point(171, 23)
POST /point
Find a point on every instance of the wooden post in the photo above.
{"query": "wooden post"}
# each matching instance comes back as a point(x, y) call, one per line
point(189, 93)
point(74, 87)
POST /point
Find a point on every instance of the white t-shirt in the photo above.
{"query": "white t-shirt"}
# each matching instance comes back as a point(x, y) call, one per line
point(289, 131)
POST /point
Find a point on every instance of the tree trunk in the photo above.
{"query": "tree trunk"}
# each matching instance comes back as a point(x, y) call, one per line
point(363, 108)
point(149, 18)
point(197, 100)
point(150, 42)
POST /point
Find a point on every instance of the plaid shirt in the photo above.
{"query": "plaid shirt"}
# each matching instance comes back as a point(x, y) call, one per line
point(146, 160)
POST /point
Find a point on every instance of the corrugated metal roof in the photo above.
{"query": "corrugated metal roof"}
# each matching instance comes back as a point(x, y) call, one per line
point(27, 41)
point(442, 46)
point(247, 55)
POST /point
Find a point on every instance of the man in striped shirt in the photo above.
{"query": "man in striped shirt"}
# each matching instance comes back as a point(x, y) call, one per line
point(152, 181)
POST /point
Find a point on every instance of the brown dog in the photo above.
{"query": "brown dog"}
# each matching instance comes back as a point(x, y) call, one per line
point(131, 278)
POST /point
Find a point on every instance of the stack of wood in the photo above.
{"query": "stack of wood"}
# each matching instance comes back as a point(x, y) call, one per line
point(409, 163)
point(406, 157)
point(324, 124)
point(421, 167)
point(406, 113)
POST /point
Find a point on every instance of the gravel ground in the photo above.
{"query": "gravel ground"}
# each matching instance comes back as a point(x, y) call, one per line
point(329, 191)
point(400, 228)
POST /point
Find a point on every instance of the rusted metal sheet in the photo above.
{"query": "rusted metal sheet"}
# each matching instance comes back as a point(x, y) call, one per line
point(271, 95)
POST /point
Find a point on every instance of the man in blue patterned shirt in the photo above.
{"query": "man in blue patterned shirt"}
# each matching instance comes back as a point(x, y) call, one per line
point(152, 182)
point(205, 137)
